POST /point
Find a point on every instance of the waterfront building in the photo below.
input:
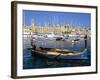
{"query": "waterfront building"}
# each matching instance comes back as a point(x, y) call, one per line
point(51, 28)
point(66, 29)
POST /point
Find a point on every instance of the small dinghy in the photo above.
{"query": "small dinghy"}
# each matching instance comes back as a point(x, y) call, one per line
point(53, 53)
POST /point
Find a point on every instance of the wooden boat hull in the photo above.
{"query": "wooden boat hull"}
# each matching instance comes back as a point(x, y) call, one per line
point(58, 55)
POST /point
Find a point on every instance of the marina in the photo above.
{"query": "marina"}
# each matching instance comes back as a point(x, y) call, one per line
point(32, 60)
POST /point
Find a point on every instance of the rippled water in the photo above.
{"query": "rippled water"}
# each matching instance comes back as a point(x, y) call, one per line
point(32, 62)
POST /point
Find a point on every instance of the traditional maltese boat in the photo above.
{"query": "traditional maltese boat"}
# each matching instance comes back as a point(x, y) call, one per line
point(53, 53)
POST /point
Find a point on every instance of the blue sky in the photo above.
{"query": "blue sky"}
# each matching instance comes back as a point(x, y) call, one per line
point(62, 18)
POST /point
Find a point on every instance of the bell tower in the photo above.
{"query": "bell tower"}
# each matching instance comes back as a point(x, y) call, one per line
point(33, 25)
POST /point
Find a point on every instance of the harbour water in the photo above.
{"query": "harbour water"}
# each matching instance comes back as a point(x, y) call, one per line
point(33, 62)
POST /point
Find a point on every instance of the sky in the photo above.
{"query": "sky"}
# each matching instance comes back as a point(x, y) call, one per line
point(41, 18)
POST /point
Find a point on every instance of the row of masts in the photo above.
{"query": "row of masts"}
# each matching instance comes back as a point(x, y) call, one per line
point(53, 21)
